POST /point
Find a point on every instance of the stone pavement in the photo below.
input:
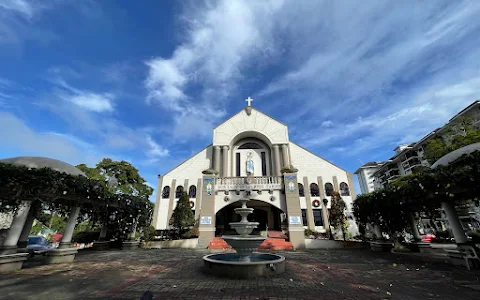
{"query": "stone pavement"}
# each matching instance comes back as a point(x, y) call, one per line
point(176, 274)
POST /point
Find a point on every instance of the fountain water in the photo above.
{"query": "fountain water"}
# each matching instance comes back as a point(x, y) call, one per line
point(244, 263)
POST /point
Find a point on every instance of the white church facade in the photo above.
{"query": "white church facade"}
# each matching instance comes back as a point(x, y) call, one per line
point(245, 161)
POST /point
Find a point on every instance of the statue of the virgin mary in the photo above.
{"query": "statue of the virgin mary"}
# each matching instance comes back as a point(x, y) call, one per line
point(250, 167)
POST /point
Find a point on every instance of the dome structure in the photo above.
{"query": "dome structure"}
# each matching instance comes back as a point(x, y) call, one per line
point(448, 158)
point(43, 162)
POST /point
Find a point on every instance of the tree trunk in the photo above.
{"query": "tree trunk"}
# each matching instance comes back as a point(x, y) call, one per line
point(343, 232)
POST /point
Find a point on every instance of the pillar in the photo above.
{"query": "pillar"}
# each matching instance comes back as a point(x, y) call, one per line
point(294, 213)
point(23, 240)
point(206, 226)
point(157, 201)
point(103, 232)
point(378, 232)
point(454, 222)
point(225, 161)
point(413, 225)
point(308, 199)
point(198, 200)
point(276, 153)
point(335, 184)
point(286, 161)
point(326, 222)
point(171, 204)
point(68, 233)
point(216, 154)
point(13, 234)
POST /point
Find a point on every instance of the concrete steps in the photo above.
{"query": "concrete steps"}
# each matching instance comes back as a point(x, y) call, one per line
point(273, 244)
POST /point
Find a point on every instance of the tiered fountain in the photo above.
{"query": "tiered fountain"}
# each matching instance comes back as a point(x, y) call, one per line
point(244, 263)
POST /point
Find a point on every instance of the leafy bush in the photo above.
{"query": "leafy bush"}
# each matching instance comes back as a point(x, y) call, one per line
point(86, 237)
point(191, 234)
point(309, 232)
point(149, 233)
point(475, 235)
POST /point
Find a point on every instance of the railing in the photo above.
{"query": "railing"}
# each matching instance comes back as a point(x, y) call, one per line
point(244, 183)
point(254, 180)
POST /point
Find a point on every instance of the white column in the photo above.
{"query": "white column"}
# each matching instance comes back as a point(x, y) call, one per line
point(276, 153)
point(27, 227)
point(413, 224)
point(216, 154)
point(68, 233)
point(286, 160)
point(378, 232)
point(134, 229)
point(225, 161)
point(13, 234)
point(454, 222)
point(103, 232)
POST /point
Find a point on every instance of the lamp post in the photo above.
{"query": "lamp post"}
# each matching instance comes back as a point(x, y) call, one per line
point(325, 202)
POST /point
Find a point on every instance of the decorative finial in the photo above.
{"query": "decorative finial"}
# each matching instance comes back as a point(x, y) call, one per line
point(248, 109)
point(249, 101)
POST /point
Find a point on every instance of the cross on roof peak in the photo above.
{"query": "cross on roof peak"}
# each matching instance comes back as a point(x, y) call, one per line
point(249, 101)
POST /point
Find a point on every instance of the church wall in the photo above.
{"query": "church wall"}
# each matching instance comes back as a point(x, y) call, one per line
point(240, 123)
point(189, 170)
point(312, 166)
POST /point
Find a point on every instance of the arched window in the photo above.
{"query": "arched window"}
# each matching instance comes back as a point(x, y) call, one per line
point(192, 191)
point(250, 145)
point(301, 192)
point(166, 192)
point(178, 191)
point(344, 190)
point(328, 189)
point(314, 191)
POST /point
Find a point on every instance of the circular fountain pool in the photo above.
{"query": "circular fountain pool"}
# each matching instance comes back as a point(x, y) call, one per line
point(234, 266)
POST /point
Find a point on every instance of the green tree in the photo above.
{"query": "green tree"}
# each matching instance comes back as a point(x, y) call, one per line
point(129, 180)
point(182, 216)
point(435, 149)
point(337, 212)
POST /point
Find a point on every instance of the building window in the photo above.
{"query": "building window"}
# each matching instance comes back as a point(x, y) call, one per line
point(344, 190)
point(314, 191)
point(178, 191)
point(317, 217)
point(192, 191)
point(250, 146)
point(166, 192)
point(304, 217)
point(237, 158)
point(328, 189)
point(264, 164)
point(301, 192)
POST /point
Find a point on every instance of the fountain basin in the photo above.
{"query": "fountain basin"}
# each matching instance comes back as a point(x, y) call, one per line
point(244, 245)
point(243, 228)
point(254, 265)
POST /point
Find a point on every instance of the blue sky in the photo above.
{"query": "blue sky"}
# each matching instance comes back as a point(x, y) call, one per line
point(146, 81)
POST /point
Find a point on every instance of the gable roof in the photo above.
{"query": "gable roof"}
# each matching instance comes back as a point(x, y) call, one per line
point(240, 111)
point(320, 157)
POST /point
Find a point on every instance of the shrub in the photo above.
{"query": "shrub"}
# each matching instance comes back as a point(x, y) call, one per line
point(475, 235)
point(191, 234)
point(86, 237)
point(309, 232)
point(149, 233)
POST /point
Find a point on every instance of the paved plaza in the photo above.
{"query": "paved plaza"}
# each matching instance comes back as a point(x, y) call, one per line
point(176, 274)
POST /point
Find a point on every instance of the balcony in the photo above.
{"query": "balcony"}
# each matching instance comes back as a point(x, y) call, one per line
point(249, 183)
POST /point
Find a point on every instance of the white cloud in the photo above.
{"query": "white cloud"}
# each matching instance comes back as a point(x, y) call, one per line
point(327, 123)
point(222, 39)
point(22, 140)
point(19, 6)
point(155, 151)
point(91, 101)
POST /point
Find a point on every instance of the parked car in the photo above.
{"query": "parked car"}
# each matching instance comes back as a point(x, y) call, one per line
point(38, 245)
point(428, 238)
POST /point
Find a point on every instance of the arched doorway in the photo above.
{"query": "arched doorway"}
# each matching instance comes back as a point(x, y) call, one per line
point(264, 213)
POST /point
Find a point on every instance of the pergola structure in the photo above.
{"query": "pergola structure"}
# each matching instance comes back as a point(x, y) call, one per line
point(85, 193)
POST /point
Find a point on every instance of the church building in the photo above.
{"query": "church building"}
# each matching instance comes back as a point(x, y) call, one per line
point(251, 157)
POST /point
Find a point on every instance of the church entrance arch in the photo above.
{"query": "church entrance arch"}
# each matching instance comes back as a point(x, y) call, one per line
point(251, 156)
point(266, 214)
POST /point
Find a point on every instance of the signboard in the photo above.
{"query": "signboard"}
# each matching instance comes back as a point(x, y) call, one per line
point(294, 220)
point(242, 187)
point(205, 220)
